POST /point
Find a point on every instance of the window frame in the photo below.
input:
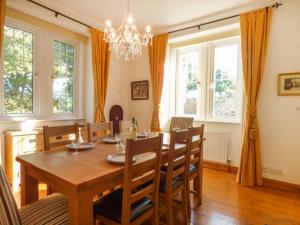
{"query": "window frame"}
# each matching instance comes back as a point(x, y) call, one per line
point(210, 80)
point(35, 92)
point(43, 62)
point(76, 45)
point(205, 76)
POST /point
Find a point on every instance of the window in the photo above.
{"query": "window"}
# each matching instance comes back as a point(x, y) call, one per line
point(40, 74)
point(208, 81)
point(64, 56)
point(18, 71)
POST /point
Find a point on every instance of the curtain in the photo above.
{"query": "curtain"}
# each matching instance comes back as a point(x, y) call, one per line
point(2, 18)
point(157, 57)
point(255, 27)
point(100, 59)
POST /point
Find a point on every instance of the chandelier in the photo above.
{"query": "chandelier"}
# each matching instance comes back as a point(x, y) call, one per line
point(127, 41)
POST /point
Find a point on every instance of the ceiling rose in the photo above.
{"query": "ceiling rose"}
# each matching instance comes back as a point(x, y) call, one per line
point(127, 41)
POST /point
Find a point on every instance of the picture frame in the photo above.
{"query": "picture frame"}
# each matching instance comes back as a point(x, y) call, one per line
point(140, 90)
point(289, 84)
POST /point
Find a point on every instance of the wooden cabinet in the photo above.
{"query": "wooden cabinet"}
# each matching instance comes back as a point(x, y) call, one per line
point(19, 143)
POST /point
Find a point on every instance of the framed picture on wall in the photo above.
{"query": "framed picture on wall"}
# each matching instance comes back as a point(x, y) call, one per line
point(289, 84)
point(140, 90)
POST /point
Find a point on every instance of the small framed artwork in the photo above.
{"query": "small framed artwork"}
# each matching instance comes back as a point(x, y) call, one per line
point(140, 90)
point(289, 84)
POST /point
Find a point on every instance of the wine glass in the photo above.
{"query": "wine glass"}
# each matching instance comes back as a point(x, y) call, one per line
point(118, 137)
point(147, 132)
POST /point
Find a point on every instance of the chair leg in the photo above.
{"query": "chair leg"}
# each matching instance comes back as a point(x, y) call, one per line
point(188, 191)
point(169, 203)
point(155, 214)
point(198, 189)
point(185, 206)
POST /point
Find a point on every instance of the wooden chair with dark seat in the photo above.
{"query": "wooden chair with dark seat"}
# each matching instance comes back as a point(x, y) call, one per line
point(195, 164)
point(173, 179)
point(97, 131)
point(137, 201)
point(59, 137)
point(50, 210)
point(180, 123)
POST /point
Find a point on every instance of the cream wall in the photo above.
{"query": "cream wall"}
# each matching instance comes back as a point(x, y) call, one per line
point(279, 116)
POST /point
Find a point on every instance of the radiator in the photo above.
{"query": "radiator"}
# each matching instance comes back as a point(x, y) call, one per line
point(215, 148)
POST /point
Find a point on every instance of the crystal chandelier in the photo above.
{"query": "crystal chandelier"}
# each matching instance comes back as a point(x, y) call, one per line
point(126, 41)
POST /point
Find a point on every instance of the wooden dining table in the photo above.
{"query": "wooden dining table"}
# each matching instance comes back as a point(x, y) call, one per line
point(78, 175)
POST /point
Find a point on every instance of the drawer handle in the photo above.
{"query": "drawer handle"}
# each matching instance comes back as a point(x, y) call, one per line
point(32, 141)
point(58, 137)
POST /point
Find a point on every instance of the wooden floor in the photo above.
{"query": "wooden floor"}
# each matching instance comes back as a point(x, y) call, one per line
point(227, 203)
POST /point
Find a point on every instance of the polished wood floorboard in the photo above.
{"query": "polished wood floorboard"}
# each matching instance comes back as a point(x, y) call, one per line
point(227, 203)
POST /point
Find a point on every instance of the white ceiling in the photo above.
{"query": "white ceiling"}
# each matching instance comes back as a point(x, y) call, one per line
point(157, 13)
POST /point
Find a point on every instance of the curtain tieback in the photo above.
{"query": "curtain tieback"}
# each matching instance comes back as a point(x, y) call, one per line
point(252, 129)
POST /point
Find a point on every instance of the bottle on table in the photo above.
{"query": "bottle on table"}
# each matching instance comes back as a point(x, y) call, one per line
point(133, 129)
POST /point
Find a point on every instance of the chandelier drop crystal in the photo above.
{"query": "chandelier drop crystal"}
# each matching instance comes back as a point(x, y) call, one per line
point(126, 41)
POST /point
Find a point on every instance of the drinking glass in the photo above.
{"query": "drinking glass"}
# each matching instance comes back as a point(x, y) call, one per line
point(118, 137)
point(147, 132)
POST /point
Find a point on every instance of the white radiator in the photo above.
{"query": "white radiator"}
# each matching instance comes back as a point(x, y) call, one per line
point(215, 147)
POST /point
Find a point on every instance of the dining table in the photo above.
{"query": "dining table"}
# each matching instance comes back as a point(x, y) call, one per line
point(79, 175)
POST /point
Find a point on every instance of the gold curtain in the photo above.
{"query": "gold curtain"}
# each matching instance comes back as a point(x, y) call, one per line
point(255, 27)
point(101, 58)
point(157, 57)
point(2, 19)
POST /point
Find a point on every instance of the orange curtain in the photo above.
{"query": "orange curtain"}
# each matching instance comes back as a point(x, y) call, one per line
point(101, 58)
point(157, 57)
point(255, 27)
point(2, 19)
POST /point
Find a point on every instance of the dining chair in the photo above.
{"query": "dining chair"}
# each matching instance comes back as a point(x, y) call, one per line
point(97, 131)
point(195, 165)
point(58, 137)
point(173, 177)
point(137, 200)
point(180, 123)
point(51, 210)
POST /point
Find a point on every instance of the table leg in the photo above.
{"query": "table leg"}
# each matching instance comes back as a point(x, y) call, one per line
point(81, 209)
point(29, 187)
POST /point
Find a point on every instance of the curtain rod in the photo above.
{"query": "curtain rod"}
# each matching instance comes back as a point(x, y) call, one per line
point(276, 5)
point(56, 13)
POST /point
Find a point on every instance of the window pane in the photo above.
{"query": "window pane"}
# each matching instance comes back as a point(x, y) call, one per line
point(188, 96)
point(18, 71)
point(225, 96)
point(63, 77)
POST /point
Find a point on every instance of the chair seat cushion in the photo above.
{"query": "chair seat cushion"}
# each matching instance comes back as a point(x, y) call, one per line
point(193, 169)
point(110, 206)
point(51, 210)
point(176, 182)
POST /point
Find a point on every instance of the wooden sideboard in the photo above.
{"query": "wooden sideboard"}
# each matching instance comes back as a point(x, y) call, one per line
point(20, 143)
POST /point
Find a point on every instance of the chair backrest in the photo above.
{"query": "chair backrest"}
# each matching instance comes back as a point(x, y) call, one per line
point(196, 146)
point(9, 214)
point(125, 127)
point(96, 131)
point(58, 137)
point(180, 123)
point(178, 155)
point(141, 178)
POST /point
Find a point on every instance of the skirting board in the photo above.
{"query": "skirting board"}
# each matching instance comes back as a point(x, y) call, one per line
point(269, 183)
point(219, 166)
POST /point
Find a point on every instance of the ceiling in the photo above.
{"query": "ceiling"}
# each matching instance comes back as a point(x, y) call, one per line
point(157, 13)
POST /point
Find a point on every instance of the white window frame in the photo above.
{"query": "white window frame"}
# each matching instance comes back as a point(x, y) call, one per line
point(43, 61)
point(76, 45)
point(205, 77)
point(35, 92)
point(210, 81)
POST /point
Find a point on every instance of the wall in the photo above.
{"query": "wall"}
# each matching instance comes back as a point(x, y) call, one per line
point(279, 116)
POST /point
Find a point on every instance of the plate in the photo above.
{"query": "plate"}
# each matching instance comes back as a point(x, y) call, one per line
point(109, 140)
point(118, 158)
point(80, 146)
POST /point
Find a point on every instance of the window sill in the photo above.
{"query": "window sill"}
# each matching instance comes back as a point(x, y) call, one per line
point(19, 119)
point(219, 121)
